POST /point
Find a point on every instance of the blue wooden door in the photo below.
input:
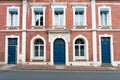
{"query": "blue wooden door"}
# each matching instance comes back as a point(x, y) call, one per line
point(105, 49)
point(12, 45)
point(59, 51)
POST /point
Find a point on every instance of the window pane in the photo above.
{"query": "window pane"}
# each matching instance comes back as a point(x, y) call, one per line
point(38, 41)
point(56, 19)
point(79, 41)
point(41, 51)
point(16, 19)
point(104, 18)
point(12, 19)
point(61, 19)
point(76, 51)
point(81, 19)
point(76, 19)
point(36, 51)
point(82, 51)
point(39, 19)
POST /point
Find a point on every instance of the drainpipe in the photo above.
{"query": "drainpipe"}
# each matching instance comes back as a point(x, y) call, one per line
point(24, 31)
point(94, 36)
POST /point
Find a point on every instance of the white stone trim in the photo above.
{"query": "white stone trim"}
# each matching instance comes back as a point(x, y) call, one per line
point(38, 63)
point(32, 49)
point(85, 21)
point(52, 38)
point(33, 15)
point(7, 18)
point(116, 63)
point(6, 48)
point(94, 39)
point(111, 48)
point(24, 14)
point(81, 63)
point(64, 13)
point(86, 43)
point(109, 15)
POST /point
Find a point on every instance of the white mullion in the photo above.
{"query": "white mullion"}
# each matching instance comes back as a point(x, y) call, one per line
point(39, 19)
point(39, 51)
point(79, 51)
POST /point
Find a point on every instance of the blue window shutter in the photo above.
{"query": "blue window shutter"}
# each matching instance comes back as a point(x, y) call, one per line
point(38, 9)
point(79, 9)
point(13, 10)
point(104, 9)
point(58, 9)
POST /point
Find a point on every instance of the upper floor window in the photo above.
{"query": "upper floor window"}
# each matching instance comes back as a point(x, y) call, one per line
point(38, 18)
point(58, 16)
point(13, 16)
point(104, 16)
point(79, 16)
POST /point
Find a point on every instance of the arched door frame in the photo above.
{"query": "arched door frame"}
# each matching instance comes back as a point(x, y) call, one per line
point(52, 49)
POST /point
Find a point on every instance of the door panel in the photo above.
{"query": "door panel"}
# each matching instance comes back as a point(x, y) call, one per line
point(105, 49)
point(12, 50)
point(11, 54)
point(59, 51)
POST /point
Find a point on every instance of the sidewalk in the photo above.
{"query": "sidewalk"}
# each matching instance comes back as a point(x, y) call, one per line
point(59, 67)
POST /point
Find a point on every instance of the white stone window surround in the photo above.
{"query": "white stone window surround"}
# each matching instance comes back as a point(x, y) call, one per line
point(84, 13)
point(8, 21)
point(32, 57)
point(64, 15)
point(86, 48)
point(33, 16)
point(109, 22)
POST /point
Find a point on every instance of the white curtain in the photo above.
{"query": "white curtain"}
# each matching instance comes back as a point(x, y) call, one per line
point(61, 19)
point(56, 19)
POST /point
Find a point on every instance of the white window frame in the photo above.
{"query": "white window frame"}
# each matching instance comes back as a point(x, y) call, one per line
point(86, 49)
point(33, 16)
point(64, 14)
point(8, 17)
point(85, 19)
point(32, 57)
point(109, 22)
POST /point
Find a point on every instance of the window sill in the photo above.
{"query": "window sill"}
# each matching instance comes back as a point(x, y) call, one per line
point(12, 27)
point(58, 27)
point(80, 26)
point(83, 58)
point(104, 26)
point(38, 27)
point(37, 58)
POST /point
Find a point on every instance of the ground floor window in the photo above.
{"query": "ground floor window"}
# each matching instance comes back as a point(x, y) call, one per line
point(38, 48)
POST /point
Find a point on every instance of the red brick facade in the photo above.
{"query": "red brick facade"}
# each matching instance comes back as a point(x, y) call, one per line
point(68, 34)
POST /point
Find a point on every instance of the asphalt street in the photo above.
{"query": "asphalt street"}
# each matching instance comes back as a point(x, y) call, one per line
point(58, 75)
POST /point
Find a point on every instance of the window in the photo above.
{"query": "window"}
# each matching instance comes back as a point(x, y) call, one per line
point(58, 16)
point(79, 16)
point(38, 17)
point(104, 16)
point(12, 17)
point(80, 48)
point(38, 48)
